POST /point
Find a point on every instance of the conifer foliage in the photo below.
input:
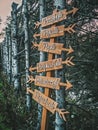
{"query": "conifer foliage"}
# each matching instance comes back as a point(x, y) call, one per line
point(17, 53)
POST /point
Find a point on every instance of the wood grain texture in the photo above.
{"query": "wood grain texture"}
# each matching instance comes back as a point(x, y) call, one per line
point(55, 48)
point(45, 101)
point(47, 82)
point(49, 65)
point(52, 32)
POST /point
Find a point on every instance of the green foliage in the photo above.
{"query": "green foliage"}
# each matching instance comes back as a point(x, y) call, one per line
point(13, 114)
point(3, 116)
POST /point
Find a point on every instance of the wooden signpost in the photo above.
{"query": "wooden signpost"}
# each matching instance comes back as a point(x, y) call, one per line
point(48, 82)
point(54, 64)
point(54, 48)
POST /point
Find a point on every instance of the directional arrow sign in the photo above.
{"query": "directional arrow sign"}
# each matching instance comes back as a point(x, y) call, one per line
point(57, 16)
point(55, 31)
point(47, 102)
point(49, 82)
point(55, 48)
point(54, 64)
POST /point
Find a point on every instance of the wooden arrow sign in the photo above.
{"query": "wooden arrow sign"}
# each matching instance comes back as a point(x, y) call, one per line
point(56, 17)
point(47, 102)
point(55, 31)
point(54, 64)
point(49, 82)
point(55, 48)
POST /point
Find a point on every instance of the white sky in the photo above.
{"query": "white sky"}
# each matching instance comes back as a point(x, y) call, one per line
point(5, 10)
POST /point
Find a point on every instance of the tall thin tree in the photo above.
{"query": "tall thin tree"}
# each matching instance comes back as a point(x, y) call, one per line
point(26, 41)
point(42, 58)
point(9, 49)
point(10, 54)
point(4, 56)
point(60, 94)
point(15, 69)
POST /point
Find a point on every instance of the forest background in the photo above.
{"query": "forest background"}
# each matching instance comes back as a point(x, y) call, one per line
point(16, 113)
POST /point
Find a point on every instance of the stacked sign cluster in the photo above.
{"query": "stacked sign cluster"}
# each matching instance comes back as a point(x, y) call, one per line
point(48, 82)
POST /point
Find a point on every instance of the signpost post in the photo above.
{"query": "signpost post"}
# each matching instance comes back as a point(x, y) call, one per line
point(44, 121)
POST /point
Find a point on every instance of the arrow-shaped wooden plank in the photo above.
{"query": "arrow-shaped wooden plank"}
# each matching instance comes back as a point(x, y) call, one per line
point(47, 102)
point(55, 48)
point(55, 31)
point(56, 17)
point(54, 64)
point(49, 82)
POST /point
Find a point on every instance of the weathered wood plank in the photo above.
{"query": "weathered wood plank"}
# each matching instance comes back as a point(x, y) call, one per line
point(56, 17)
point(45, 101)
point(49, 82)
point(54, 64)
point(52, 32)
point(54, 48)
point(55, 31)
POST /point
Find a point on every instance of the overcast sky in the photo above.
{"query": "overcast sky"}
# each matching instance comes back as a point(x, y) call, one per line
point(5, 10)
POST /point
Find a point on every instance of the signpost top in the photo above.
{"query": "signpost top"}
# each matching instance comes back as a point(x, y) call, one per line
point(56, 17)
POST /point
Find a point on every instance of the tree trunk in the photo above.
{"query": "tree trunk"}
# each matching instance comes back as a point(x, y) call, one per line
point(10, 57)
point(7, 54)
point(26, 41)
point(9, 49)
point(15, 69)
point(60, 94)
point(42, 58)
point(4, 56)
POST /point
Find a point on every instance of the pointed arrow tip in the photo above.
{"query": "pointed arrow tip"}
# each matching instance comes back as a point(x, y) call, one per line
point(70, 50)
point(30, 69)
point(74, 10)
point(68, 85)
